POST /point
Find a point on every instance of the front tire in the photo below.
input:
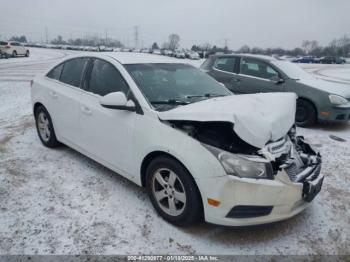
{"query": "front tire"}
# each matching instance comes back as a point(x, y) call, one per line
point(27, 53)
point(305, 113)
point(45, 128)
point(173, 191)
point(14, 54)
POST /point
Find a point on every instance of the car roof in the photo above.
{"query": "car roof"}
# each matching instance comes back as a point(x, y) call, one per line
point(261, 57)
point(135, 58)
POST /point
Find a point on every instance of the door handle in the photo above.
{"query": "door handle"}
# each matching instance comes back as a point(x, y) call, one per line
point(53, 94)
point(86, 110)
point(236, 80)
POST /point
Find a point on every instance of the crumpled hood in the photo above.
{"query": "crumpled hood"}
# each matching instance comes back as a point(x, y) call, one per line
point(329, 87)
point(257, 118)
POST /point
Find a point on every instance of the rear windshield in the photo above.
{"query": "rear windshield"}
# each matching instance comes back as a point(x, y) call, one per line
point(3, 43)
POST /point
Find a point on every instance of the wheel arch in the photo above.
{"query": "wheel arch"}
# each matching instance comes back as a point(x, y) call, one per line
point(153, 155)
point(311, 103)
point(149, 158)
point(36, 106)
point(39, 104)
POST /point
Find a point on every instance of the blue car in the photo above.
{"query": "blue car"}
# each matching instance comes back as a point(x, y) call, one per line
point(305, 60)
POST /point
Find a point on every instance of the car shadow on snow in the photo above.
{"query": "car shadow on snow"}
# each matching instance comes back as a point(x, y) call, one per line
point(214, 233)
point(333, 126)
point(247, 234)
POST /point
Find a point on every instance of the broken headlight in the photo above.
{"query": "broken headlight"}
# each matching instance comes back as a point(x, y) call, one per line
point(242, 165)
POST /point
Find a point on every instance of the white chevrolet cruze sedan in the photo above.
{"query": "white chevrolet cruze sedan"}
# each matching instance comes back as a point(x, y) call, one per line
point(201, 152)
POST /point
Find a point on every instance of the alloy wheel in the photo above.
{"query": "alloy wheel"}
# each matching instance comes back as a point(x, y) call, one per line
point(169, 192)
point(44, 126)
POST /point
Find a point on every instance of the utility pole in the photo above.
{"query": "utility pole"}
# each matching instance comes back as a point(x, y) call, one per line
point(136, 36)
point(46, 35)
point(226, 42)
point(226, 45)
point(106, 37)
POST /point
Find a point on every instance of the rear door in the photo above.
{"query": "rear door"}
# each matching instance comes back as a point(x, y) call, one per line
point(64, 96)
point(256, 76)
point(18, 48)
point(224, 70)
point(22, 49)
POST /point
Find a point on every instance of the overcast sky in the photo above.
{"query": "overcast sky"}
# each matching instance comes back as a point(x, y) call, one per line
point(262, 23)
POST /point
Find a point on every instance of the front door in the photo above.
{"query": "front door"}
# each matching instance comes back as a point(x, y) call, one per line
point(257, 76)
point(106, 133)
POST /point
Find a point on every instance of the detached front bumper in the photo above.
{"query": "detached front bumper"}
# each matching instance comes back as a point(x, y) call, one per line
point(246, 201)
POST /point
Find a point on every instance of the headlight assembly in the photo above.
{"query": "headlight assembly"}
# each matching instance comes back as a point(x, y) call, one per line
point(242, 165)
point(337, 100)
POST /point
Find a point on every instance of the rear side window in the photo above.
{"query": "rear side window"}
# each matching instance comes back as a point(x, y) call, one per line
point(56, 72)
point(3, 43)
point(73, 71)
point(105, 79)
point(226, 64)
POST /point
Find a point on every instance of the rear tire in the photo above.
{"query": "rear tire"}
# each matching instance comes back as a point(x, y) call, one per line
point(45, 128)
point(14, 54)
point(27, 53)
point(173, 192)
point(305, 114)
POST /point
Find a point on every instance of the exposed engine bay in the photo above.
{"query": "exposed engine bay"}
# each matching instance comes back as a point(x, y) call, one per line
point(290, 153)
point(217, 134)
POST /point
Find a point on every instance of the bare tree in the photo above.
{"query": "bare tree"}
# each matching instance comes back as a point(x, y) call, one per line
point(244, 49)
point(206, 47)
point(155, 46)
point(174, 40)
point(309, 46)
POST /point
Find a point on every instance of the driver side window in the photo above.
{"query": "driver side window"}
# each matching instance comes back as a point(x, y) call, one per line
point(105, 79)
point(256, 68)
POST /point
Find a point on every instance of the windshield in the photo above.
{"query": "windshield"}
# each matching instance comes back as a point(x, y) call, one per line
point(292, 70)
point(166, 86)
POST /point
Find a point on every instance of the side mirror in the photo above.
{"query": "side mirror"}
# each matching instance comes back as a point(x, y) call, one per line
point(117, 100)
point(277, 80)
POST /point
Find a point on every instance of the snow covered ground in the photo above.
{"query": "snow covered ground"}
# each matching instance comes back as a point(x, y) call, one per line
point(60, 202)
point(333, 73)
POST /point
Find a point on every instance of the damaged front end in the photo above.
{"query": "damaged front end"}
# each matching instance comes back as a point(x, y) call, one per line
point(289, 156)
point(292, 155)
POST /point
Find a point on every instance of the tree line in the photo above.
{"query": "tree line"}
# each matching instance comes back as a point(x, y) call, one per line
point(337, 47)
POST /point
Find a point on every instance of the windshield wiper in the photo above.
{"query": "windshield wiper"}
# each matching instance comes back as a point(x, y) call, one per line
point(205, 95)
point(169, 102)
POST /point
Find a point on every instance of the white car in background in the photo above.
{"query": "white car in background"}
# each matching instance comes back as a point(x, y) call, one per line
point(192, 55)
point(13, 48)
point(200, 151)
point(179, 54)
point(156, 51)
